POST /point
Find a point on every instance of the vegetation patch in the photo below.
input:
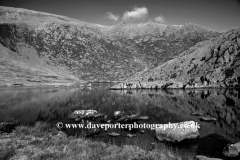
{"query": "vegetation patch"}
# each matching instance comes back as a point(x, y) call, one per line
point(42, 142)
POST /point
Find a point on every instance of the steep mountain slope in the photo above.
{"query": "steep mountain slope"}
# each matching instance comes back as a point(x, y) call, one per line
point(23, 67)
point(89, 51)
point(212, 64)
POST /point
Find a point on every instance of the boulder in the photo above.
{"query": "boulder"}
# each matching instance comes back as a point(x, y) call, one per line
point(142, 131)
point(131, 135)
point(125, 115)
point(208, 118)
point(84, 114)
point(114, 134)
point(230, 151)
point(118, 115)
point(177, 132)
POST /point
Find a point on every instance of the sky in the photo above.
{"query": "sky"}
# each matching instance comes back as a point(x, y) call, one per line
point(219, 15)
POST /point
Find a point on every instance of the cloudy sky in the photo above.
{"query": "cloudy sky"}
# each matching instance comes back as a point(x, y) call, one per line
point(220, 15)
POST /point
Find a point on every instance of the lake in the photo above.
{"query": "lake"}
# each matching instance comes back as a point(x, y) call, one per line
point(31, 104)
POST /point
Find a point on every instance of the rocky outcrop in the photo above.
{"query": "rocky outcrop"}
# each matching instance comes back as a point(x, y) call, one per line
point(89, 51)
point(216, 64)
point(136, 85)
point(177, 132)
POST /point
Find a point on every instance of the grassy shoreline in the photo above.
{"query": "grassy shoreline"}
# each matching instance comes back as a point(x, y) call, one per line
point(42, 142)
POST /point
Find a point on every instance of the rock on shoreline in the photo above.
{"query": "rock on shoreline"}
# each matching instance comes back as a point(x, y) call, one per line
point(183, 131)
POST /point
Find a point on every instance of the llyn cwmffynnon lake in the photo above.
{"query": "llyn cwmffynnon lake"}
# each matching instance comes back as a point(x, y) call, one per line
point(54, 105)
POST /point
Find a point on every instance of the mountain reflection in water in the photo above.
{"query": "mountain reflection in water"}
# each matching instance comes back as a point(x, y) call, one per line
point(53, 105)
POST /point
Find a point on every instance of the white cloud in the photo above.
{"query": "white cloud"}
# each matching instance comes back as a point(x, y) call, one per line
point(160, 19)
point(136, 14)
point(112, 16)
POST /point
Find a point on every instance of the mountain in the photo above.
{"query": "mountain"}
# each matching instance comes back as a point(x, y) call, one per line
point(43, 47)
point(213, 63)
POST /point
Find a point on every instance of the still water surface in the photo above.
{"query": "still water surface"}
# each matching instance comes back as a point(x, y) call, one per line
point(54, 105)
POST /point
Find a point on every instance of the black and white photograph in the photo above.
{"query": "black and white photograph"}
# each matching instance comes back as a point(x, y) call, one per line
point(120, 80)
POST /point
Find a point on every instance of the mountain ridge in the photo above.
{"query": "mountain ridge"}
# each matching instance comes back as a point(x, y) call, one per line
point(8, 10)
point(14, 13)
point(89, 51)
